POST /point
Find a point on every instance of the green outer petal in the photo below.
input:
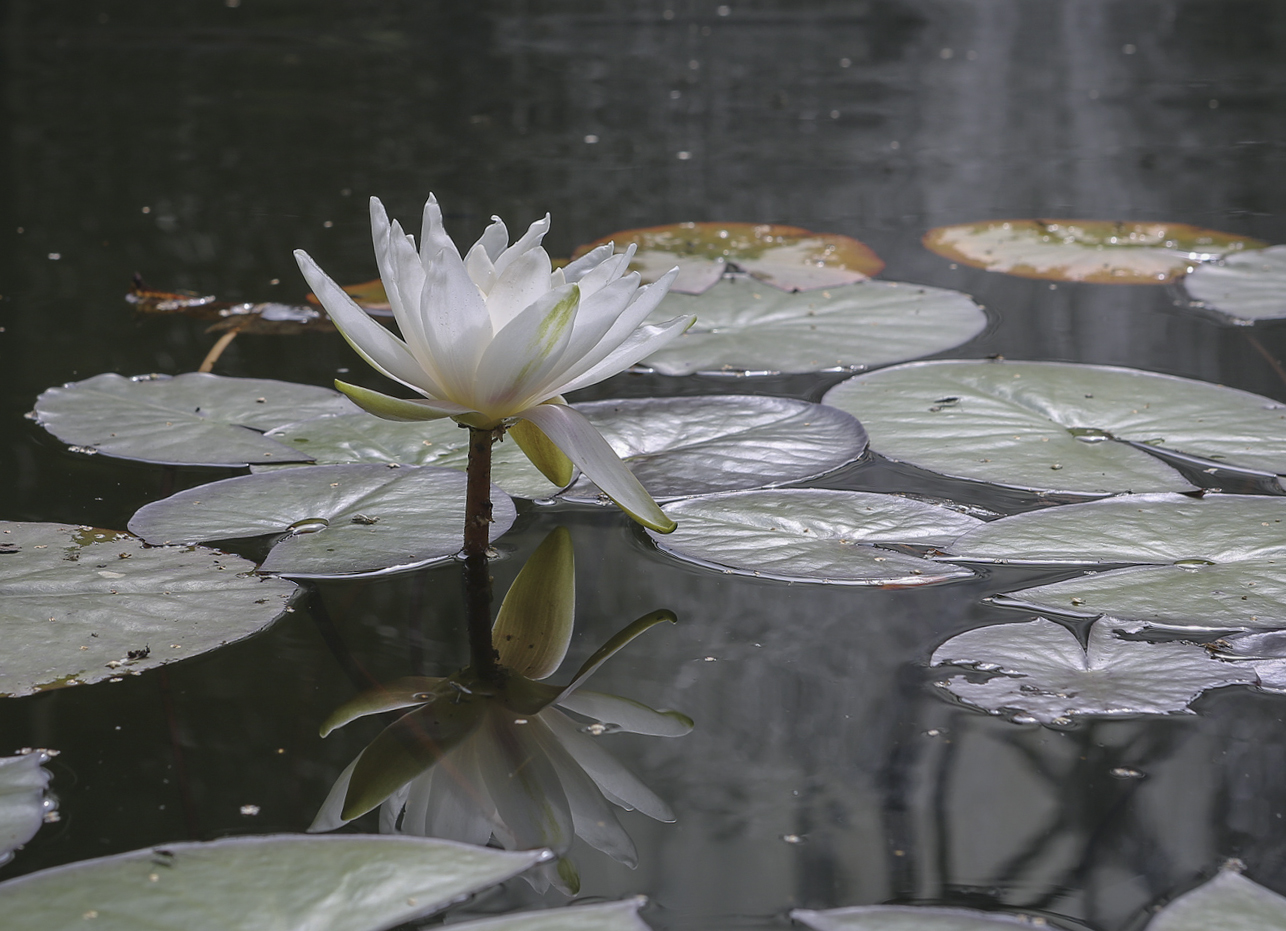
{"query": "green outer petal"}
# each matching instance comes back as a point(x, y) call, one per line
point(614, 645)
point(399, 409)
point(400, 693)
point(534, 626)
point(544, 455)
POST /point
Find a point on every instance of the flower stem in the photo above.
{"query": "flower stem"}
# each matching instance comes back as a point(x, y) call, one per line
point(477, 540)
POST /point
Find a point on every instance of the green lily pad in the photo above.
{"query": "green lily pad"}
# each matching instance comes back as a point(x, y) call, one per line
point(1042, 673)
point(1262, 651)
point(79, 605)
point(701, 445)
point(605, 916)
point(1246, 287)
point(786, 257)
point(911, 918)
point(340, 520)
point(23, 803)
point(1061, 426)
point(744, 328)
point(815, 535)
point(1229, 902)
point(190, 419)
point(271, 883)
point(1214, 563)
point(1099, 251)
point(363, 437)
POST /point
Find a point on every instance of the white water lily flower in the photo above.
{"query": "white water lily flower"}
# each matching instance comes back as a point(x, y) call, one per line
point(494, 339)
point(512, 759)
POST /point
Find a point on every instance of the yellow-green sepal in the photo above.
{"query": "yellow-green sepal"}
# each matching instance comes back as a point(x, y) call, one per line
point(534, 626)
point(544, 455)
point(402, 410)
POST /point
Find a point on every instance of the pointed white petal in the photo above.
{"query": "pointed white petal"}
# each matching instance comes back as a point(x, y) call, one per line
point(456, 324)
point(578, 268)
point(628, 715)
point(328, 817)
point(608, 271)
point(433, 237)
point(524, 353)
point(617, 782)
point(530, 240)
point(595, 317)
point(495, 238)
point(557, 279)
point(642, 343)
point(380, 230)
point(478, 264)
point(380, 348)
point(573, 434)
point(522, 283)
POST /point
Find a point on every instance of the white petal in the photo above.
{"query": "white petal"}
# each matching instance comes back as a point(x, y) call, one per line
point(530, 240)
point(328, 816)
point(388, 354)
point(595, 317)
point(380, 229)
point(419, 791)
point(608, 271)
point(478, 264)
point(523, 784)
point(456, 324)
point(642, 343)
point(557, 279)
point(577, 269)
point(523, 354)
point(460, 808)
point(494, 239)
point(617, 782)
point(628, 715)
point(522, 282)
point(408, 282)
point(574, 435)
point(433, 237)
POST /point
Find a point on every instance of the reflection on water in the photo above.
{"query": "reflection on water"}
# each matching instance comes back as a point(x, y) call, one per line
point(199, 144)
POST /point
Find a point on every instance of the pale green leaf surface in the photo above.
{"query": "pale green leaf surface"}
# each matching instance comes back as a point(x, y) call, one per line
point(1229, 902)
point(606, 916)
point(743, 326)
point(909, 918)
point(269, 883)
point(815, 535)
point(191, 419)
point(1247, 287)
point(1044, 674)
point(347, 519)
point(74, 602)
point(23, 804)
point(1061, 427)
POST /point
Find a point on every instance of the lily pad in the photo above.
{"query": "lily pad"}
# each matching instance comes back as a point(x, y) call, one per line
point(1262, 651)
point(1229, 902)
point(744, 328)
point(1099, 251)
point(271, 883)
point(1214, 563)
point(1042, 673)
point(23, 803)
point(911, 918)
point(815, 535)
point(79, 605)
point(362, 437)
point(786, 257)
point(333, 521)
point(605, 916)
point(1246, 287)
point(190, 419)
point(1062, 426)
point(701, 445)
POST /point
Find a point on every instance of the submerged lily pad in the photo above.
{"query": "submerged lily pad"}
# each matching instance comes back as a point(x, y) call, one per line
point(1042, 673)
point(190, 419)
point(744, 328)
point(1216, 563)
point(1228, 902)
point(363, 437)
point(1246, 287)
point(271, 883)
point(335, 520)
point(1062, 426)
point(79, 605)
point(700, 445)
point(23, 803)
point(815, 535)
point(1099, 251)
point(911, 918)
point(604, 916)
point(786, 257)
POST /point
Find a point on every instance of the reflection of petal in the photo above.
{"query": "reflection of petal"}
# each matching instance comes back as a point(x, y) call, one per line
point(617, 782)
point(329, 817)
point(523, 784)
point(536, 618)
point(460, 808)
point(628, 715)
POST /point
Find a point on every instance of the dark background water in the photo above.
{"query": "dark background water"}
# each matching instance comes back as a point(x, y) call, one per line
point(198, 143)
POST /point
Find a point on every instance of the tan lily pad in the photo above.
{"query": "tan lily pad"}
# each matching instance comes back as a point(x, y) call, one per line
point(1097, 251)
point(786, 257)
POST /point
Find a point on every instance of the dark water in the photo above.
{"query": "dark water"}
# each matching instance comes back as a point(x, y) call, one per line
point(199, 143)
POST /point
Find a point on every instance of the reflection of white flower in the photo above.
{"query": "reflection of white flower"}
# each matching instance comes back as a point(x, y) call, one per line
point(514, 759)
point(499, 335)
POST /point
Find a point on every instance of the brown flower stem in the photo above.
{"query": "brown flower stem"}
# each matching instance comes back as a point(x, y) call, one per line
point(211, 357)
point(477, 540)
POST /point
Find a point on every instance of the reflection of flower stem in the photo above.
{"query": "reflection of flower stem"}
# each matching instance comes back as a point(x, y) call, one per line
point(477, 539)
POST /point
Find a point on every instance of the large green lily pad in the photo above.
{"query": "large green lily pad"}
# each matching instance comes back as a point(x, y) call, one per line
point(80, 605)
point(340, 520)
point(786, 257)
point(1061, 426)
point(279, 882)
point(363, 437)
point(702, 445)
point(1042, 673)
point(1100, 251)
point(1228, 902)
point(912, 918)
point(23, 803)
point(745, 328)
point(1246, 287)
point(190, 419)
point(815, 535)
point(1217, 562)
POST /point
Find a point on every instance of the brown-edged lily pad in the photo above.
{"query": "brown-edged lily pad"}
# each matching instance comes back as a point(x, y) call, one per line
point(1098, 251)
point(786, 257)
